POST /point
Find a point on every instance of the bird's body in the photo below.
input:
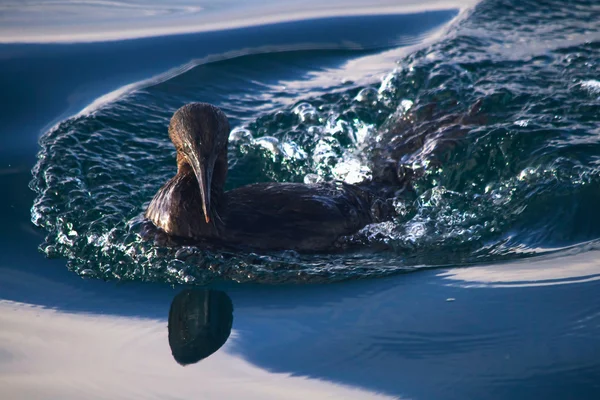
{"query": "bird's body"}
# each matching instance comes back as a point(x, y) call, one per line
point(264, 215)
point(305, 217)
point(293, 215)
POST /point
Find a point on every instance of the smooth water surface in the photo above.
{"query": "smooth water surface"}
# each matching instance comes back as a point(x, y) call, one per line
point(492, 111)
point(53, 21)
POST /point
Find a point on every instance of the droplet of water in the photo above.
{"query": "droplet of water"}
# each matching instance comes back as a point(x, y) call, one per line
point(306, 112)
point(87, 273)
point(522, 122)
point(351, 171)
point(326, 150)
point(293, 151)
point(240, 135)
point(592, 85)
point(367, 95)
point(406, 105)
point(312, 178)
point(387, 83)
point(268, 143)
point(526, 173)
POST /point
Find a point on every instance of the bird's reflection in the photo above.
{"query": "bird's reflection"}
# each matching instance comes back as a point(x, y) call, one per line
point(199, 324)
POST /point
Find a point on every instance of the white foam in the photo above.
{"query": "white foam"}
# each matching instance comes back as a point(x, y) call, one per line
point(592, 85)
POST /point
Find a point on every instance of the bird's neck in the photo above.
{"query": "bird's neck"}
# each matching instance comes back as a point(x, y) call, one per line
point(219, 177)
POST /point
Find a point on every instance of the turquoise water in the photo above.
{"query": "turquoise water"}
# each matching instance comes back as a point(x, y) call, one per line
point(491, 110)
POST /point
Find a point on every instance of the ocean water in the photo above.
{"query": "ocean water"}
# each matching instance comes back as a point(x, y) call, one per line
point(496, 135)
point(484, 286)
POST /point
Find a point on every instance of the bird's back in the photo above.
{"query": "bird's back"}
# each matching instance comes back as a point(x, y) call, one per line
point(294, 216)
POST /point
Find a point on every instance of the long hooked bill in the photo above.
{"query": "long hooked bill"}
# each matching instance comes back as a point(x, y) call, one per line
point(203, 172)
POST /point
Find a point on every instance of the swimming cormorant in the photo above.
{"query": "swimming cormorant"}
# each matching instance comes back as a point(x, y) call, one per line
point(295, 216)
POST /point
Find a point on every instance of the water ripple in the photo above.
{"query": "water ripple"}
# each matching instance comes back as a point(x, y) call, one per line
point(495, 126)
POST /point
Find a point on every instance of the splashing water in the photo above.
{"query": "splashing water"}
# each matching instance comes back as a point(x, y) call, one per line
point(495, 125)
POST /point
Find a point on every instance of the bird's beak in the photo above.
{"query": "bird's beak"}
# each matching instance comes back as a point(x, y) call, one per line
point(203, 169)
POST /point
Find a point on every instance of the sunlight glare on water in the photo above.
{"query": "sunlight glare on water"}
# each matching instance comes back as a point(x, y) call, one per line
point(47, 21)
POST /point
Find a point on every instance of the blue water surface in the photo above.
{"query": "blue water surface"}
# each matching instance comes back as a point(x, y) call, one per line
point(488, 284)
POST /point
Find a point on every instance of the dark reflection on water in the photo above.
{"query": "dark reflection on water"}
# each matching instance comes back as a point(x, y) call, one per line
point(199, 324)
point(398, 336)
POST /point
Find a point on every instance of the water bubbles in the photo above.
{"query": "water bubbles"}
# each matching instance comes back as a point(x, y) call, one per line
point(388, 83)
point(268, 143)
point(87, 273)
point(306, 113)
point(380, 232)
point(293, 151)
point(241, 135)
point(310, 179)
point(527, 173)
point(368, 95)
point(591, 85)
point(336, 126)
point(405, 105)
point(326, 151)
point(522, 123)
point(415, 231)
point(361, 132)
point(351, 171)
point(493, 152)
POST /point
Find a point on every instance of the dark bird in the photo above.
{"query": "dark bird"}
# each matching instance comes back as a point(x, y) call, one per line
point(304, 217)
